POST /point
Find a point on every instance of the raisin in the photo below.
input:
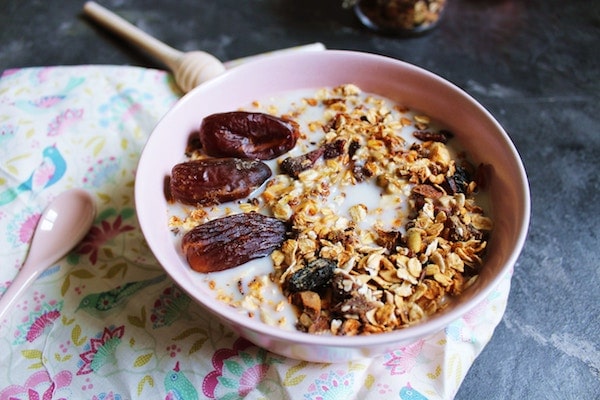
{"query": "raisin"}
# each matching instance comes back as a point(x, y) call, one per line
point(316, 275)
point(292, 166)
point(231, 241)
point(353, 148)
point(442, 136)
point(459, 182)
point(360, 173)
point(247, 135)
point(334, 149)
point(213, 181)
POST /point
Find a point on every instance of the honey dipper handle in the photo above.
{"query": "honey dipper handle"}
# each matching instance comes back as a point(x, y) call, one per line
point(168, 55)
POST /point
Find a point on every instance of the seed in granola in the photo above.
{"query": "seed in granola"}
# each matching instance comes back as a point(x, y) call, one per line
point(314, 276)
point(422, 119)
point(414, 240)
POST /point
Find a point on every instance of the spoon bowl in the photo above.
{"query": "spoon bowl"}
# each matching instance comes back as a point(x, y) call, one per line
point(63, 224)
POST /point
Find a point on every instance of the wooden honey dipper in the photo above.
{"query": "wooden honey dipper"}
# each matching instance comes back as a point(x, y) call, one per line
point(190, 69)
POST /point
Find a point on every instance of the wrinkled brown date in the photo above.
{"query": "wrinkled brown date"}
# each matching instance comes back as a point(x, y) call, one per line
point(247, 135)
point(230, 241)
point(216, 180)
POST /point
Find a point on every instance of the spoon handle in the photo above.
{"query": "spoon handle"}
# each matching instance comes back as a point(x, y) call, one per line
point(118, 25)
point(27, 274)
point(62, 225)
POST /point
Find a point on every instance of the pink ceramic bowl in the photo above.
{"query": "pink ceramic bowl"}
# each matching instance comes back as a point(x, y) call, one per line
point(475, 128)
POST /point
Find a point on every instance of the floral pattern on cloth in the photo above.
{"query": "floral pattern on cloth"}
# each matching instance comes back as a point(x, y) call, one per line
point(105, 322)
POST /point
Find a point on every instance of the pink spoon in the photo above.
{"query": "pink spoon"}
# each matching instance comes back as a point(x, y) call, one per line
point(63, 224)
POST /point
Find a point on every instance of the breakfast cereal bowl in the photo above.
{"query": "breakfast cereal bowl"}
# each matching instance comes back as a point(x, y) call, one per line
point(412, 285)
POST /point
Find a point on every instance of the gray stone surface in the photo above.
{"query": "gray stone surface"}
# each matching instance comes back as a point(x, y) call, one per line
point(534, 64)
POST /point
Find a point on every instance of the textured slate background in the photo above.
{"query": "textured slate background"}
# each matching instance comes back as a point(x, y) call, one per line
point(533, 63)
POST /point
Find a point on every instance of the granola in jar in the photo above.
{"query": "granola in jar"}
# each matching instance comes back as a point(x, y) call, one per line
point(403, 17)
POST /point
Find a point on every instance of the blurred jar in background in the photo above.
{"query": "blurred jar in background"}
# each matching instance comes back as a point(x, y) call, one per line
point(400, 17)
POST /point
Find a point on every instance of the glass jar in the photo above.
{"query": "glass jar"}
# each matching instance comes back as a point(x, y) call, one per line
point(400, 17)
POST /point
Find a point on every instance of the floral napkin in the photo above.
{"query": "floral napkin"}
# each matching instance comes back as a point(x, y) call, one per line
point(106, 322)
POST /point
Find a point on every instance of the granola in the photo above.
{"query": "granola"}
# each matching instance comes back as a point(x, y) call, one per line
point(386, 220)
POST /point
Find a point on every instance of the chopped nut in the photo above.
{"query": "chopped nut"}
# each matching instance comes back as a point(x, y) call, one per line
point(310, 302)
point(350, 327)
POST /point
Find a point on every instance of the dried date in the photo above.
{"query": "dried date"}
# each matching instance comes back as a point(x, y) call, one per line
point(216, 180)
point(247, 135)
point(233, 240)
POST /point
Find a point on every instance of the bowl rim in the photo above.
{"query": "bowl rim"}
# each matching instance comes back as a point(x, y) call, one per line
point(435, 323)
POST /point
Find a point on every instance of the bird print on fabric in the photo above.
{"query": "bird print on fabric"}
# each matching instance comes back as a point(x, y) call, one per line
point(178, 386)
point(45, 103)
point(408, 393)
point(98, 303)
point(47, 173)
